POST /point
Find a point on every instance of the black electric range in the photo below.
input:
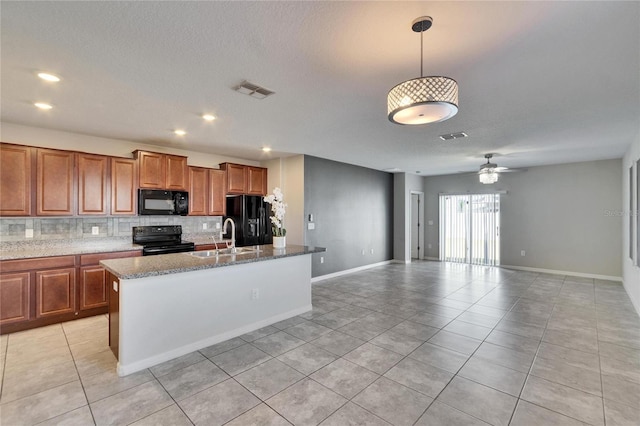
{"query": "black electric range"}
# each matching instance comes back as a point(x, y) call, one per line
point(161, 239)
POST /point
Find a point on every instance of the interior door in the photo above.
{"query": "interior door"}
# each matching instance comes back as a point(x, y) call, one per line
point(416, 226)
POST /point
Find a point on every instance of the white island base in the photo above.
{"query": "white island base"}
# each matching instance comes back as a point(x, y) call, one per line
point(166, 316)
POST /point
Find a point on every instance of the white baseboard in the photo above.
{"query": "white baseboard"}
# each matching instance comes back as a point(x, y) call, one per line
point(432, 258)
point(350, 271)
point(556, 272)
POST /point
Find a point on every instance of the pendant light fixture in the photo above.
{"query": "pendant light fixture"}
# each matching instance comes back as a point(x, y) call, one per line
point(425, 99)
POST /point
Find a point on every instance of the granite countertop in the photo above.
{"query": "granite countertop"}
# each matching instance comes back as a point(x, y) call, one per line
point(13, 250)
point(149, 266)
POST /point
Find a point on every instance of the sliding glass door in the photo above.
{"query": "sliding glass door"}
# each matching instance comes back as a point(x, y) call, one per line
point(470, 228)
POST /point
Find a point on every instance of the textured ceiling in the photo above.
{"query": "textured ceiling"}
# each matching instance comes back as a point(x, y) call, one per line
point(540, 82)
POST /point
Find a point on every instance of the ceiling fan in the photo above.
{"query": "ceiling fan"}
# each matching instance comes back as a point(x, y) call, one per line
point(489, 171)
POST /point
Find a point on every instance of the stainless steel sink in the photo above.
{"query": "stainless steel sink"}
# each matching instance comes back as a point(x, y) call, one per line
point(224, 252)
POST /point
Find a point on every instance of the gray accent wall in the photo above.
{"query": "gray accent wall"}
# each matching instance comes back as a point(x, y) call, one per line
point(352, 211)
point(563, 216)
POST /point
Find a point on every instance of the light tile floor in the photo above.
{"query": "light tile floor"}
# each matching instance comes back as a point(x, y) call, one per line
point(421, 344)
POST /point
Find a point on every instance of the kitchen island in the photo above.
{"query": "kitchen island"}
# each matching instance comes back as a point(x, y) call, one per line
point(163, 307)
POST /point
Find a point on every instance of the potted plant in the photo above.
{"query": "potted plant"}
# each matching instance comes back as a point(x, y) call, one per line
point(278, 208)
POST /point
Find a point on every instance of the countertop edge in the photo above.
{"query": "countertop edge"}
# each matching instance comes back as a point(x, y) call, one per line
point(146, 265)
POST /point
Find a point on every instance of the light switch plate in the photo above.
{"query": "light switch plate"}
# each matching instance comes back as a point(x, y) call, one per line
point(28, 233)
point(204, 226)
point(311, 226)
point(217, 225)
point(95, 230)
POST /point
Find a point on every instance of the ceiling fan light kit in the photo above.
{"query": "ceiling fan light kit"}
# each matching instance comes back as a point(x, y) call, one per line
point(488, 176)
point(425, 99)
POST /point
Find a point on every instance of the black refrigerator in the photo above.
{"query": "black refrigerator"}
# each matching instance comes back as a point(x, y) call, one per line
point(252, 218)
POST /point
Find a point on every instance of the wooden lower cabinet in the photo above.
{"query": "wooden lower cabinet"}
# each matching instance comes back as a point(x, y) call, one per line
point(93, 288)
point(36, 292)
point(15, 292)
point(55, 292)
point(114, 313)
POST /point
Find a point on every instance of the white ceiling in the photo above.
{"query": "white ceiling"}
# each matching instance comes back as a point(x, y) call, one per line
point(540, 82)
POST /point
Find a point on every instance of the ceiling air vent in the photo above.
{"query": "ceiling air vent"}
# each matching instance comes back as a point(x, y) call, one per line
point(253, 90)
point(451, 136)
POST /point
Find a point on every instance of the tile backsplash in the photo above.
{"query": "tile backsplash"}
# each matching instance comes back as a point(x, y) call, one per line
point(15, 229)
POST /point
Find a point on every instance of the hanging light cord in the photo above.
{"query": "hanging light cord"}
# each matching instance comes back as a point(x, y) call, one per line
point(421, 49)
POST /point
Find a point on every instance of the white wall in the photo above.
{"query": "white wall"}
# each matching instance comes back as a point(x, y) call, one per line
point(288, 174)
point(630, 272)
point(403, 184)
point(557, 214)
point(45, 138)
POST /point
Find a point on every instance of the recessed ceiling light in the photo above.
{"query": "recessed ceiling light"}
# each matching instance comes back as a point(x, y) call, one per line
point(49, 77)
point(209, 117)
point(42, 105)
point(266, 149)
point(180, 132)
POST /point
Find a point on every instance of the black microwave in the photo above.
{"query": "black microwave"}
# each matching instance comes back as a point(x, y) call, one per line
point(159, 202)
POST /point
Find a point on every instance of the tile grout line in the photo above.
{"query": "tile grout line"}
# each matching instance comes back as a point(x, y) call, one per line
point(595, 300)
point(78, 373)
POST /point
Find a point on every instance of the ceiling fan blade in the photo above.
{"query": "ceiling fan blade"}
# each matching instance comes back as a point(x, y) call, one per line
point(512, 170)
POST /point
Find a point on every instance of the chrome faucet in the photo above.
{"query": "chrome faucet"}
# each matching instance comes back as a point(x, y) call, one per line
point(233, 232)
point(213, 237)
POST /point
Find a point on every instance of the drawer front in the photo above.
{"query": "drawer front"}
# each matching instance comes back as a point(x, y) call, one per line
point(37, 263)
point(94, 259)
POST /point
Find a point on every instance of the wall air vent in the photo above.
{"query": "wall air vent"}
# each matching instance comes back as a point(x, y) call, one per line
point(253, 90)
point(451, 136)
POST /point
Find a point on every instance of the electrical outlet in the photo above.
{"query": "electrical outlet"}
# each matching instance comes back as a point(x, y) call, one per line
point(255, 294)
point(204, 226)
point(321, 259)
point(28, 233)
point(430, 223)
point(95, 230)
point(363, 252)
point(371, 251)
point(311, 226)
point(217, 225)
point(521, 252)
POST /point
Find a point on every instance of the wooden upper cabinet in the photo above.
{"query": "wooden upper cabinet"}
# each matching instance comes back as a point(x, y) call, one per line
point(177, 175)
point(256, 180)
point(236, 178)
point(151, 169)
point(162, 171)
point(243, 179)
point(55, 182)
point(92, 184)
point(198, 191)
point(124, 181)
point(15, 180)
point(217, 193)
